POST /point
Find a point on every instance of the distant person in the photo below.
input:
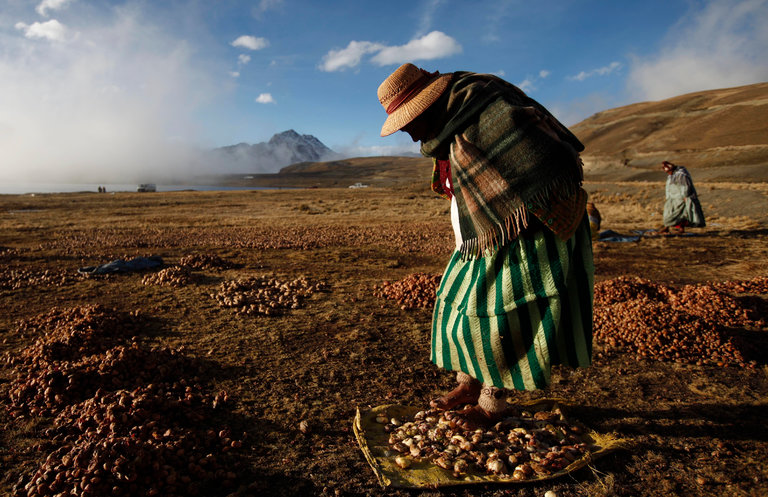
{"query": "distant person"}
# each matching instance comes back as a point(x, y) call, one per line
point(681, 208)
point(516, 296)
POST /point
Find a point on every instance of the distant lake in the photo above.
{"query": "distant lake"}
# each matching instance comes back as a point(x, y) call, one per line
point(22, 188)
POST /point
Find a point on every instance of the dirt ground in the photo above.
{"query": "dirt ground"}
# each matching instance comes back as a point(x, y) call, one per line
point(695, 429)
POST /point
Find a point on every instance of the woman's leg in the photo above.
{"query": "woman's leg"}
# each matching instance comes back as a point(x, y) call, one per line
point(491, 408)
point(467, 392)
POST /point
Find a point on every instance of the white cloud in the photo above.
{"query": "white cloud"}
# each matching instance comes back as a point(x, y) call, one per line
point(105, 106)
point(265, 98)
point(526, 85)
point(47, 5)
point(529, 84)
point(355, 150)
point(722, 45)
point(600, 71)
point(430, 7)
point(497, 16)
point(234, 74)
point(265, 5)
point(250, 42)
point(337, 60)
point(50, 30)
point(243, 59)
point(434, 45)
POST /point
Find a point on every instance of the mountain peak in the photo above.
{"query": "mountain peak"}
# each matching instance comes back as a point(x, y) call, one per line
point(286, 135)
point(283, 149)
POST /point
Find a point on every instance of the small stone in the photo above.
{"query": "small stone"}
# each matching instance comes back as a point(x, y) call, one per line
point(701, 480)
point(304, 427)
point(550, 493)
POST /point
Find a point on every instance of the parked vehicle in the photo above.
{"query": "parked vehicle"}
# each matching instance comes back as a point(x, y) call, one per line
point(146, 187)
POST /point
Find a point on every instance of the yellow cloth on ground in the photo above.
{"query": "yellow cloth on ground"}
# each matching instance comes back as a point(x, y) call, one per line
point(373, 442)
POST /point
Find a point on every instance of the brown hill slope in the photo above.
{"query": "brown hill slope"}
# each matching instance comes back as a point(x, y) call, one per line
point(373, 171)
point(718, 134)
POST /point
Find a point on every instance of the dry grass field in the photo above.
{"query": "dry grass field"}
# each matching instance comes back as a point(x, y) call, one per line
point(239, 400)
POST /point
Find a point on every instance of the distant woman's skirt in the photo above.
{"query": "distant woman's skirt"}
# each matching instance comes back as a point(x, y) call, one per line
point(506, 318)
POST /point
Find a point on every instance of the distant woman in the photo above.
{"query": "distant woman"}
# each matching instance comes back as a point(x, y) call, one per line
point(516, 295)
point(681, 207)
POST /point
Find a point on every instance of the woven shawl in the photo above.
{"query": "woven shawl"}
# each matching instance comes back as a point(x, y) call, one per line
point(509, 156)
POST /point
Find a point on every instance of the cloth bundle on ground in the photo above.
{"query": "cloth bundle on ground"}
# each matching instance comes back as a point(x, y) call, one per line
point(509, 156)
point(613, 236)
point(121, 266)
point(682, 203)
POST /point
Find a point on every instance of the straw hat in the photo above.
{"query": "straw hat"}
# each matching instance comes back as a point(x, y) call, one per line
point(408, 92)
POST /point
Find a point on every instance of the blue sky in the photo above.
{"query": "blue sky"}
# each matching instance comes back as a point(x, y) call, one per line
point(92, 87)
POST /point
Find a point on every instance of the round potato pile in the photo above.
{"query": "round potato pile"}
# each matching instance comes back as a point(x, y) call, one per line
point(626, 288)
point(758, 284)
point(127, 419)
point(714, 306)
point(206, 261)
point(14, 279)
point(69, 334)
point(264, 295)
point(176, 276)
point(520, 447)
point(688, 324)
point(45, 387)
point(416, 290)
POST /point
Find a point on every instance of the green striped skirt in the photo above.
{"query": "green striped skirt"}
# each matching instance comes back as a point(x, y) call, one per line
point(506, 318)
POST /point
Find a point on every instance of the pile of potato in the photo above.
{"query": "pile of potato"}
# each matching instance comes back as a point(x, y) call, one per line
point(758, 284)
point(417, 290)
point(206, 261)
point(44, 386)
point(431, 238)
point(714, 306)
point(687, 324)
point(265, 295)
point(65, 334)
point(176, 276)
point(127, 419)
point(626, 288)
point(519, 447)
point(14, 279)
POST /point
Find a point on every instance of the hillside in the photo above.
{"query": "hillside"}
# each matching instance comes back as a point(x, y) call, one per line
point(373, 171)
point(718, 134)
